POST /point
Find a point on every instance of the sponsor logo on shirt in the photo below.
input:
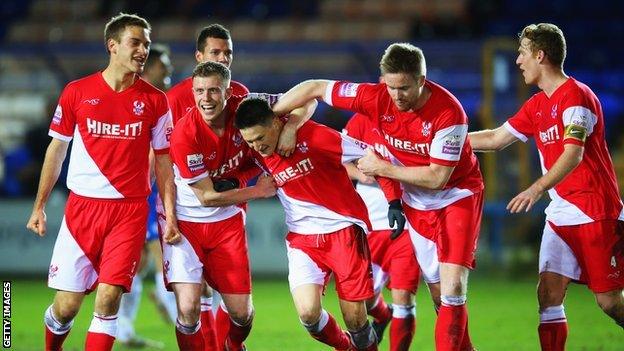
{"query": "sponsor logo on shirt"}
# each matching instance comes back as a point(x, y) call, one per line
point(550, 135)
point(195, 162)
point(138, 107)
point(114, 131)
point(58, 115)
point(452, 145)
point(581, 121)
point(92, 102)
point(382, 150)
point(426, 128)
point(229, 165)
point(408, 146)
point(168, 133)
point(300, 169)
point(348, 90)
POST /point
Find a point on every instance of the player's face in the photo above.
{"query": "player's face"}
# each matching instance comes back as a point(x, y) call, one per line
point(527, 62)
point(216, 50)
point(159, 73)
point(262, 138)
point(404, 89)
point(210, 94)
point(132, 49)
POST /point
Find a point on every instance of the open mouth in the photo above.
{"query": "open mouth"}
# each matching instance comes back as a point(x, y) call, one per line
point(208, 108)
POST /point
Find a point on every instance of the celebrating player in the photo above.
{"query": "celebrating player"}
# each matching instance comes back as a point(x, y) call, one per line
point(112, 116)
point(584, 231)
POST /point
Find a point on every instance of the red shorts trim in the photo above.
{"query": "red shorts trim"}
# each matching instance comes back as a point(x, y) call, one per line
point(345, 253)
point(396, 258)
point(454, 228)
point(222, 249)
point(599, 251)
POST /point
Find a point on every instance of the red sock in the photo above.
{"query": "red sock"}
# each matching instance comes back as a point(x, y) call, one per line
point(401, 333)
point(380, 311)
point(54, 342)
point(450, 327)
point(99, 342)
point(208, 330)
point(222, 321)
point(237, 335)
point(332, 335)
point(190, 342)
point(466, 344)
point(553, 335)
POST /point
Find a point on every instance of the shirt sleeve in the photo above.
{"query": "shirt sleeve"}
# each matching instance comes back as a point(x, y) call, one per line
point(161, 130)
point(449, 138)
point(520, 124)
point(578, 121)
point(356, 97)
point(188, 159)
point(64, 120)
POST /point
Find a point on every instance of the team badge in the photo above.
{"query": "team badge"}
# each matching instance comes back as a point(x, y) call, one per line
point(553, 111)
point(53, 271)
point(303, 147)
point(237, 139)
point(138, 107)
point(426, 128)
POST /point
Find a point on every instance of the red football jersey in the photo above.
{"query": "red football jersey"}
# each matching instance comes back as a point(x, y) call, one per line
point(181, 97)
point(112, 132)
point(313, 185)
point(198, 152)
point(572, 114)
point(436, 133)
point(361, 128)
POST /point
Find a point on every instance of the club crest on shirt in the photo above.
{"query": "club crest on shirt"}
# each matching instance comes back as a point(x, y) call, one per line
point(138, 107)
point(426, 128)
point(387, 118)
point(166, 266)
point(303, 147)
point(553, 111)
point(53, 271)
point(195, 161)
point(58, 115)
point(237, 139)
point(348, 90)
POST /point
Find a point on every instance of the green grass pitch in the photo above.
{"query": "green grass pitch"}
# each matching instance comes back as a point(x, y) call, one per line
point(502, 317)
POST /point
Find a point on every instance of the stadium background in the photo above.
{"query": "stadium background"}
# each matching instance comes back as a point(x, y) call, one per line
point(470, 48)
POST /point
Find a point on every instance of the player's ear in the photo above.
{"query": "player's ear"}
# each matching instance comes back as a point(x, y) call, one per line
point(381, 79)
point(111, 46)
point(228, 92)
point(199, 56)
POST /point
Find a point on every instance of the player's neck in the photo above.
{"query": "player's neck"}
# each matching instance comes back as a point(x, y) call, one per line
point(217, 124)
point(551, 81)
point(118, 79)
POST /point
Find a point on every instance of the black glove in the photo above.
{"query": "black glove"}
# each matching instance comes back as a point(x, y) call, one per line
point(225, 184)
point(395, 215)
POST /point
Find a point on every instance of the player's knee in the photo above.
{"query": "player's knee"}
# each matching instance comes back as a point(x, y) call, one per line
point(107, 300)
point(354, 321)
point(548, 296)
point(611, 303)
point(242, 316)
point(66, 311)
point(309, 315)
point(188, 311)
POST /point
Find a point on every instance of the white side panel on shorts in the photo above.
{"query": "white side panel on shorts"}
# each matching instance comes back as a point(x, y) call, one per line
point(427, 256)
point(302, 269)
point(380, 278)
point(556, 256)
point(180, 262)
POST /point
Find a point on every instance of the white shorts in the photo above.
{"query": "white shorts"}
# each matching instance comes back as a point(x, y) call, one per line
point(556, 256)
point(180, 262)
point(380, 278)
point(427, 256)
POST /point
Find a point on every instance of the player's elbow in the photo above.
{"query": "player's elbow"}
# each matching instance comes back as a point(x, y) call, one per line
point(210, 199)
point(438, 184)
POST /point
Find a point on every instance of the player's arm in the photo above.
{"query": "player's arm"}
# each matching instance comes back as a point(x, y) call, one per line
point(209, 197)
point(434, 176)
point(288, 137)
point(163, 169)
point(52, 163)
point(565, 164)
point(301, 94)
point(491, 139)
point(357, 175)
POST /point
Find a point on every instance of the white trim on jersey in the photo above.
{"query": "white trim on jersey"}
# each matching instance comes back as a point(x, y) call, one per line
point(302, 269)
point(307, 218)
point(329, 92)
point(352, 149)
point(560, 211)
point(59, 136)
point(164, 125)
point(376, 205)
point(556, 256)
point(516, 133)
point(70, 269)
point(580, 116)
point(447, 143)
point(84, 177)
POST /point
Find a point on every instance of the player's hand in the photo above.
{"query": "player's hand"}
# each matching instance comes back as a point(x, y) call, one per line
point(525, 200)
point(37, 222)
point(266, 186)
point(225, 184)
point(395, 215)
point(287, 141)
point(370, 164)
point(172, 233)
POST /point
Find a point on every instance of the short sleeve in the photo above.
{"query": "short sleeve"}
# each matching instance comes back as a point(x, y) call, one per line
point(451, 130)
point(578, 119)
point(520, 124)
point(357, 97)
point(64, 120)
point(163, 126)
point(188, 158)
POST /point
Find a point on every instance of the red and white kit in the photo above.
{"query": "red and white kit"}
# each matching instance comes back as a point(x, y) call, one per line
point(326, 218)
point(108, 176)
point(392, 260)
point(182, 101)
point(213, 237)
point(436, 133)
point(584, 217)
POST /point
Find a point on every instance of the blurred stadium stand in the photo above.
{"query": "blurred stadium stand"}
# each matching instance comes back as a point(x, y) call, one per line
point(44, 44)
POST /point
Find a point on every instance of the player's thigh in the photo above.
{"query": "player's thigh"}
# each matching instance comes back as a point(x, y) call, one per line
point(307, 300)
point(353, 313)
point(239, 306)
point(182, 262)
point(453, 279)
point(404, 270)
point(349, 259)
point(460, 224)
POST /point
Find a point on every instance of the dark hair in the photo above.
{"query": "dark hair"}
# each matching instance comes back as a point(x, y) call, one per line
point(403, 58)
point(253, 111)
point(548, 38)
point(212, 31)
point(155, 53)
point(209, 68)
point(118, 24)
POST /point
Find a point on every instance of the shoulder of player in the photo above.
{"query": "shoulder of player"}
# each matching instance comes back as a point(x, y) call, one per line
point(238, 88)
point(181, 87)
